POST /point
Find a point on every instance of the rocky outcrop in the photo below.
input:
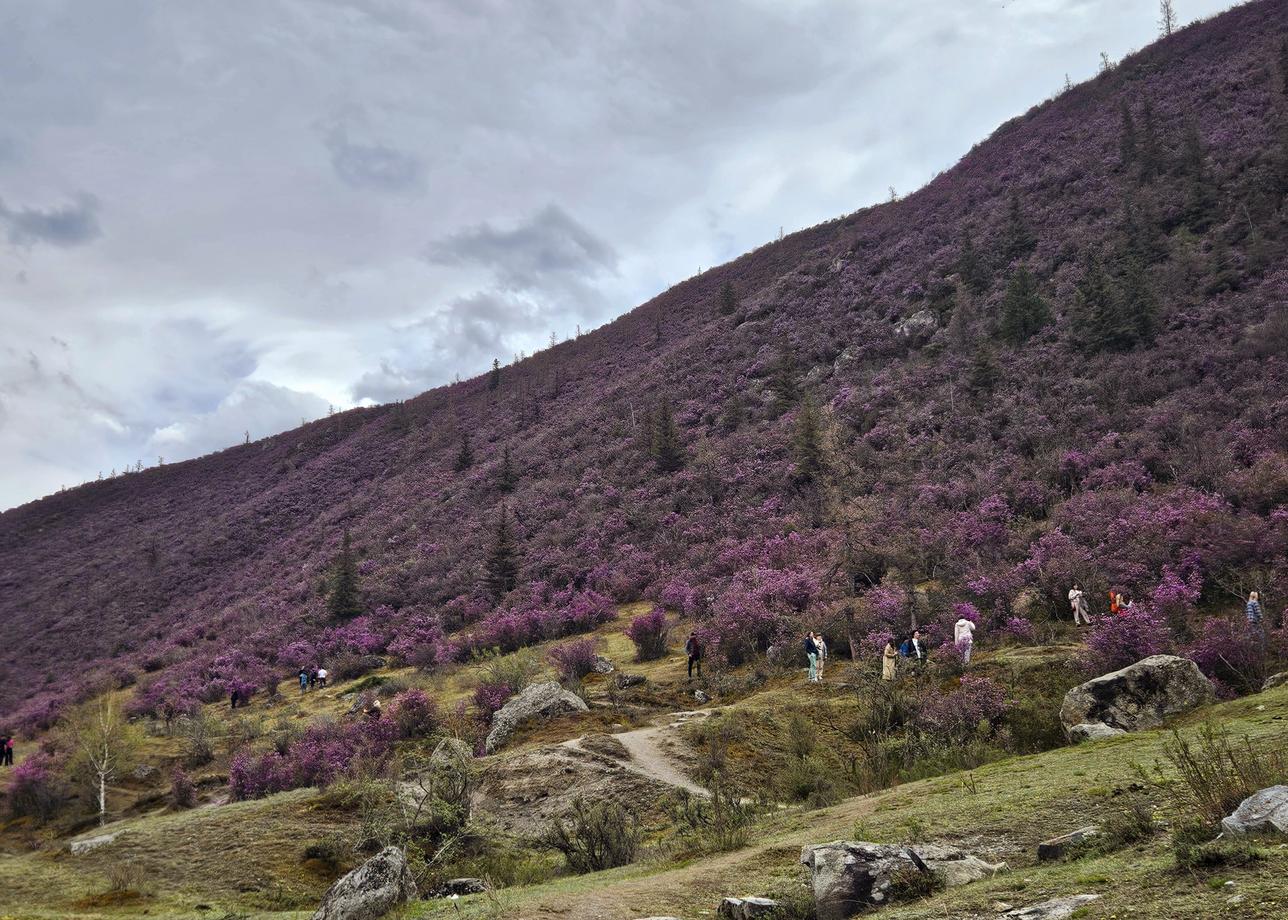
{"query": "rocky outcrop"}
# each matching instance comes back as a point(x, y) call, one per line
point(918, 326)
point(1093, 731)
point(848, 877)
point(536, 701)
point(1275, 680)
point(1263, 812)
point(1140, 696)
point(370, 891)
point(626, 681)
point(746, 908)
point(462, 886)
point(1054, 909)
point(1056, 846)
point(603, 665)
point(88, 844)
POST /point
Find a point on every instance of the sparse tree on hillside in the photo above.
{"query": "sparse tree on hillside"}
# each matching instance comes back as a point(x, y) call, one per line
point(1114, 318)
point(1150, 154)
point(728, 299)
point(807, 442)
point(970, 266)
point(1166, 17)
point(1127, 143)
point(1018, 240)
point(502, 558)
point(984, 371)
point(1024, 312)
point(506, 478)
point(666, 449)
point(494, 378)
point(105, 745)
point(344, 602)
point(783, 381)
point(465, 455)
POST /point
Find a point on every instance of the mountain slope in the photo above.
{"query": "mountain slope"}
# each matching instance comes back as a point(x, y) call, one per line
point(997, 471)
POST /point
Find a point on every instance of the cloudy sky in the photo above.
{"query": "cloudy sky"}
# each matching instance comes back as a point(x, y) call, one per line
point(220, 218)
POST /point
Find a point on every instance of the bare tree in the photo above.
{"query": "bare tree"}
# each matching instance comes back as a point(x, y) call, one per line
point(105, 746)
point(1166, 17)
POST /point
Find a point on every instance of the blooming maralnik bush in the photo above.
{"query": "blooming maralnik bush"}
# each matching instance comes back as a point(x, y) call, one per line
point(573, 660)
point(649, 632)
point(489, 697)
point(956, 715)
point(1019, 629)
point(1228, 650)
point(992, 478)
point(1116, 641)
point(183, 793)
point(35, 787)
point(414, 714)
point(325, 752)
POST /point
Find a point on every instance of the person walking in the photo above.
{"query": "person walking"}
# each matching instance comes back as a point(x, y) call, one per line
point(811, 653)
point(304, 680)
point(822, 653)
point(964, 637)
point(6, 749)
point(313, 678)
point(322, 677)
point(1115, 603)
point(916, 647)
point(693, 648)
point(1078, 603)
point(233, 699)
point(889, 657)
point(1253, 612)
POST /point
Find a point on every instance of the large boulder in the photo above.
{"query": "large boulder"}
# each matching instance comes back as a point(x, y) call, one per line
point(370, 891)
point(538, 700)
point(1263, 812)
point(849, 877)
point(917, 326)
point(1139, 696)
point(1054, 909)
point(746, 908)
point(1275, 680)
point(1093, 731)
point(1056, 846)
point(89, 844)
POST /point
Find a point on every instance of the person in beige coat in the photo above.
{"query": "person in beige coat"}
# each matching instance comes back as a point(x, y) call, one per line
point(888, 659)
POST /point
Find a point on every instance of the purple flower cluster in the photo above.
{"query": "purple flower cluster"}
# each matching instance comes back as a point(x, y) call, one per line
point(324, 753)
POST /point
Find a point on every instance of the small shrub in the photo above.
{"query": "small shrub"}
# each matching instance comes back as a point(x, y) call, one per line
point(1217, 772)
point(1118, 830)
point(331, 852)
point(573, 660)
point(596, 836)
point(414, 714)
point(198, 736)
point(908, 883)
point(183, 794)
point(125, 876)
point(650, 631)
point(1194, 850)
point(811, 781)
point(515, 671)
point(35, 790)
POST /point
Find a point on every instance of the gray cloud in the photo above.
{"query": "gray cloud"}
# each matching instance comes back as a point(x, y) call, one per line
point(73, 224)
point(372, 166)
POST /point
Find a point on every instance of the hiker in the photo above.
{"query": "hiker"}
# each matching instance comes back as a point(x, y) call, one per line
point(1115, 603)
point(822, 653)
point(913, 647)
point(321, 677)
point(811, 653)
point(964, 637)
point(313, 677)
point(693, 648)
point(1078, 603)
point(6, 749)
point(888, 659)
point(1253, 613)
point(304, 680)
point(374, 711)
point(232, 700)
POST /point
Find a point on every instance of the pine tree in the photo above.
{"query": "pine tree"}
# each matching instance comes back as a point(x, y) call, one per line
point(1127, 144)
point(728, 299)
point(1138, 303)
point(494, 378)
point(970, 266)
point(464, 456)
point(666, 449)
point(807, 442)
point(1114, 318)
point(502, 558)
point(1019, 240)
point(1151, 156)
point(1199, 194)
point(984, 371)
point(784, 382)
point(343, 602)
point(1024, 312)
point(506, 478)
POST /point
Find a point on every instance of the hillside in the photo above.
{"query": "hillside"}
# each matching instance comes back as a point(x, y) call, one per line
point(1064, 359)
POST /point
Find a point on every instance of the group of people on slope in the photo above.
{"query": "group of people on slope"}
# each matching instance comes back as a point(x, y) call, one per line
point(312, 679)
point(1119, 603)
point(6, 749)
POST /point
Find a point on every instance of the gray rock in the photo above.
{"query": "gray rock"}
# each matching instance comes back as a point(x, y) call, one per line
point(537, 700)
point(1275, 680)
point(701, 696)
point(450, 749)
point(746, 908)
point(1093, 731)
point(145, 771)
point(1054, 909)
point(86, 844)
point(849, 355)
point(462, 886)
point(918, 326)
point(603, 665)
point(370, 891)
point(1056, 846)
point(625, 681)
point(1263, 812)
point(849, 877)
point(1140, 696)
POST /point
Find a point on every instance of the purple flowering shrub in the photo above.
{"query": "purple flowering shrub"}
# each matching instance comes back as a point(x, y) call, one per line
point(1019, 629)
point(36, 789)
point(325, 752)
point(183, 793)
point(489, 697)
point(414, 713)
point(956, 715)
point(1115, 641)
point(573, 660)
point(649, 632)
point(1228, 650)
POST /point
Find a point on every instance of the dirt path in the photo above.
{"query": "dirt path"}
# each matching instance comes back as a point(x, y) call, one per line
point(651, 750)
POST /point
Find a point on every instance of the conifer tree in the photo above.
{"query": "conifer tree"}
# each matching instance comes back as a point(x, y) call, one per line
point(1127, 144)
point(343, 602)
point(970, 266)
point(464, 456)
point(807, 442)
point(506, 478)
point(494, 378)
point(666, 449)
point(1114, 318)
point(1018, 240)
point(502, 558)
point(728, 299)
point(1150, 155)
point(1138, 303)
point(984, 371)
point(783, 381)
point(1024, 312)
point(1199, 194)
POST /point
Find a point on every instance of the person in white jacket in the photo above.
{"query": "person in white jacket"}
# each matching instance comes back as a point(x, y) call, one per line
point(964, 637)
point(1078, 603)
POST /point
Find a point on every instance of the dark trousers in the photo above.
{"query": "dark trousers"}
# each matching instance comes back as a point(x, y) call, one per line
point(8, 756)
point(692, 662)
